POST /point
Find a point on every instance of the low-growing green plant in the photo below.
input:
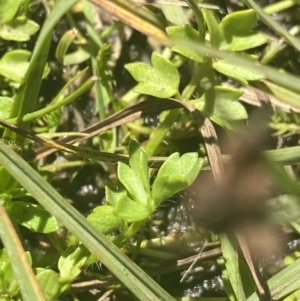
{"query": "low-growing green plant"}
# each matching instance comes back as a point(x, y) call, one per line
point(196, 55)
point(134, 199)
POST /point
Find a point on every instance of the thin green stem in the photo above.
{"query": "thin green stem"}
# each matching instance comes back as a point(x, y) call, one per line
point(279, 6)
point(30, 288)
point(56, 104)
point(273, 24)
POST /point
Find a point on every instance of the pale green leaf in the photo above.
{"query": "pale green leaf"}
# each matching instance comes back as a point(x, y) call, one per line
point(8, 283)
point(139, 163)
point(237, 31)
point(8, 185)
point(8, 9)
point(178, 33)
point(34, 217)
point(221, 105)
point(77, 57)
point(239, 22)
point(215, 31)
point(104, 219)
point(18, 30)
point(49, 283)
point(113, 194)
point(174, 14)
point(239, 72)
point(247, 41)
point(161, 80)
point(5, 106)
point(14, 64)
point(71, 262)
point(176, 174)
point(131, 211)
point(81, 54)
point(133, 184)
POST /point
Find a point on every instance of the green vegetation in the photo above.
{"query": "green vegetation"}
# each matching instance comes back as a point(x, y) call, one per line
point(141, 100)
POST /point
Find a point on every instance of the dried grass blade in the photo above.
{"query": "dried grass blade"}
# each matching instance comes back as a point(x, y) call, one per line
point(134, 16)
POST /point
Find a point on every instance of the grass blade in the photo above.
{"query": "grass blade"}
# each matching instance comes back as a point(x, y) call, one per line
point(26, 98)
point(30, 289)
point(274, 25)
point(135, 279)
point(283, 283)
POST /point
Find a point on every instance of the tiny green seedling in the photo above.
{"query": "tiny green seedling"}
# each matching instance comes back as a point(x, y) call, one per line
point(133, 201)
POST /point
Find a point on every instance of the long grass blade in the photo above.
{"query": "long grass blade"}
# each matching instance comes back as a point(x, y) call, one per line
point(26, 98)
point(30, 288)
point(274, 25)
point(135, 279)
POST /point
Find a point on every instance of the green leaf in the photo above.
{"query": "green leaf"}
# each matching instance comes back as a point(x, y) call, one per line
point(6, 201)
point(5, 106)
point(234, 31)
point(293, 297)
point(19, 30)
point(133, 277)
point(125, 209)
point(232, 266)
point(8, 184)
point(105, 219)
point(53, 118)
point(238, 23)
point(77, 57)
point(49, 283)
point(221, 105)
point(247, 279)
point(139, 163)
point(178, 33)
point(238, 37)
point(64, 43)
point(134, 228)
point(239, 72)
point(114, 194)
point(161, 80)
point(14, 64)
point(8, 9)
point(7, 298)
point(8, 283)
point(34, 217)
point(174, 14)
point(133, 184)
point(215, 31)
point(71, 262)
point(247, 41)
point(176, 174)
point(131, 211)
